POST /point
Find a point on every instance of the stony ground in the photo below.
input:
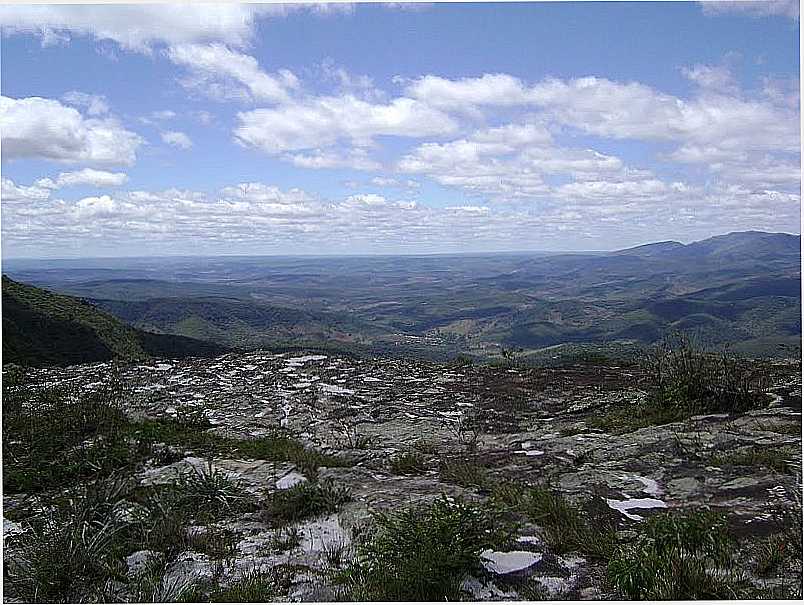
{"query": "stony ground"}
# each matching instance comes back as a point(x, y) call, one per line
point(528, 425)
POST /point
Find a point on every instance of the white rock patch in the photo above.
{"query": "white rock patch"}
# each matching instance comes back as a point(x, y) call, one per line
point(503, 563)
point(625, 505)
point(290, 480)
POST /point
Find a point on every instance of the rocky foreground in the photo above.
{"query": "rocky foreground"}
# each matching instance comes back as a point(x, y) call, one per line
point(407, 432)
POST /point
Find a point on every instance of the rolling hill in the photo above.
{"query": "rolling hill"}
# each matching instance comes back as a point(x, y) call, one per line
point(738, 289)
point(41, 328)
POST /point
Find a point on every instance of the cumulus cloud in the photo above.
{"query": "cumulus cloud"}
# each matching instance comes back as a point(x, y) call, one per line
point(261, 218)
point(139, 27)
point(323, 121)
point(177, 139)
point(466, 93)
point(40, 128)
point(11, 193)
point(754, 8)
point(356, 159)
point(509, 161)
point(87, 176)
point(95, 105)
point(721, 127)
point(222, 73)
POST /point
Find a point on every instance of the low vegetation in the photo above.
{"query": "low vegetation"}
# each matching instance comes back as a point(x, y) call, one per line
point(565, 527)
point(778, 460)
point(678, 557)
point(420, 554)
point(684, 380)
point(409, 463)
point(305, 500)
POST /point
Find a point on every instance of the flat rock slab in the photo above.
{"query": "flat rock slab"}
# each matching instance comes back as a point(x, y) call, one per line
point(504, 563)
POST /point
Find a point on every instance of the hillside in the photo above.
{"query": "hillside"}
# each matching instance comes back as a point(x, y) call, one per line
point(283, 462)
point(738, 289)
point(42, 328)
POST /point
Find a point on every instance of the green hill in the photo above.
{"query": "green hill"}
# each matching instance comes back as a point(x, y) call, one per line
point(41, 328)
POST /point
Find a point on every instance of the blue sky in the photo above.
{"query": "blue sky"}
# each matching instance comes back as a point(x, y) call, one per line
point(261, 129)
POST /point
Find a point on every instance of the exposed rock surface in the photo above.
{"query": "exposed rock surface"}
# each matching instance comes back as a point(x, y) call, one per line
point(533, 424)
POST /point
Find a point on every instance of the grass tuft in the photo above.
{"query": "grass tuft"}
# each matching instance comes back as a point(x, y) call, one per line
point(409, 463)
point(419, 554)
point(304, 500)
point(677, 557)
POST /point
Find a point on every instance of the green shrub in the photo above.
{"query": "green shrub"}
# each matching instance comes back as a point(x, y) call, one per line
point(54, 437)
point(684, 378)
point(466, 473)
point(309, 499)
point(254, 586)
point(409, 463)
point(564, 526)
point(66, 553)
point(777, 460)
point(420, 554)
point(677, 557)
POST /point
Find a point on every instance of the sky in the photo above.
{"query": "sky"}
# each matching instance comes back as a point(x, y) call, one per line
point(131, 130)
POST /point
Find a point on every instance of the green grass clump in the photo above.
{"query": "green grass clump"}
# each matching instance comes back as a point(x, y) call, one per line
point(409, 463)
point(771, 553)
point(565, 527)
point(254, 586)
point(68, 552)
point(777, 460)
point(209, 493)
point(55, 437)
point(305, 500)
point(285, 538)
point(193, 434)
point(419, 554)
point(677, 557)
point(684, 380)
point(466, 473)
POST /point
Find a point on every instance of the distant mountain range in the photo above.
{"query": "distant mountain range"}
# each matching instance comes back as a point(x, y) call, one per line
point(740, 289)
point(41, 328)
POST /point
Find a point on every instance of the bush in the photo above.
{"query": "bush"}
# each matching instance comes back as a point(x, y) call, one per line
point(420, 554)
point(688, 380)
point(56, 436)
point(564, 527)
point(210, 493)
point(305, 500)
point(466, 473)
point(69, 552)
point(409, 463)
point(677, 557)
point(684, 380)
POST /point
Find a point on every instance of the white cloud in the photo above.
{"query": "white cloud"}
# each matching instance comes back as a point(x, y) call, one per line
point(755, 8)
point(323, 121)
point(87, 176)
point(465, 93)
point(12, 193)
point(177, 139)
point(356, 159)
point(139, 27)
point(164, 114)
point(505, 162)
point(721, 127)
point(256, 217)
point(95, 105)
point(40, 128)
point(204, 117)
point(222, 73)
